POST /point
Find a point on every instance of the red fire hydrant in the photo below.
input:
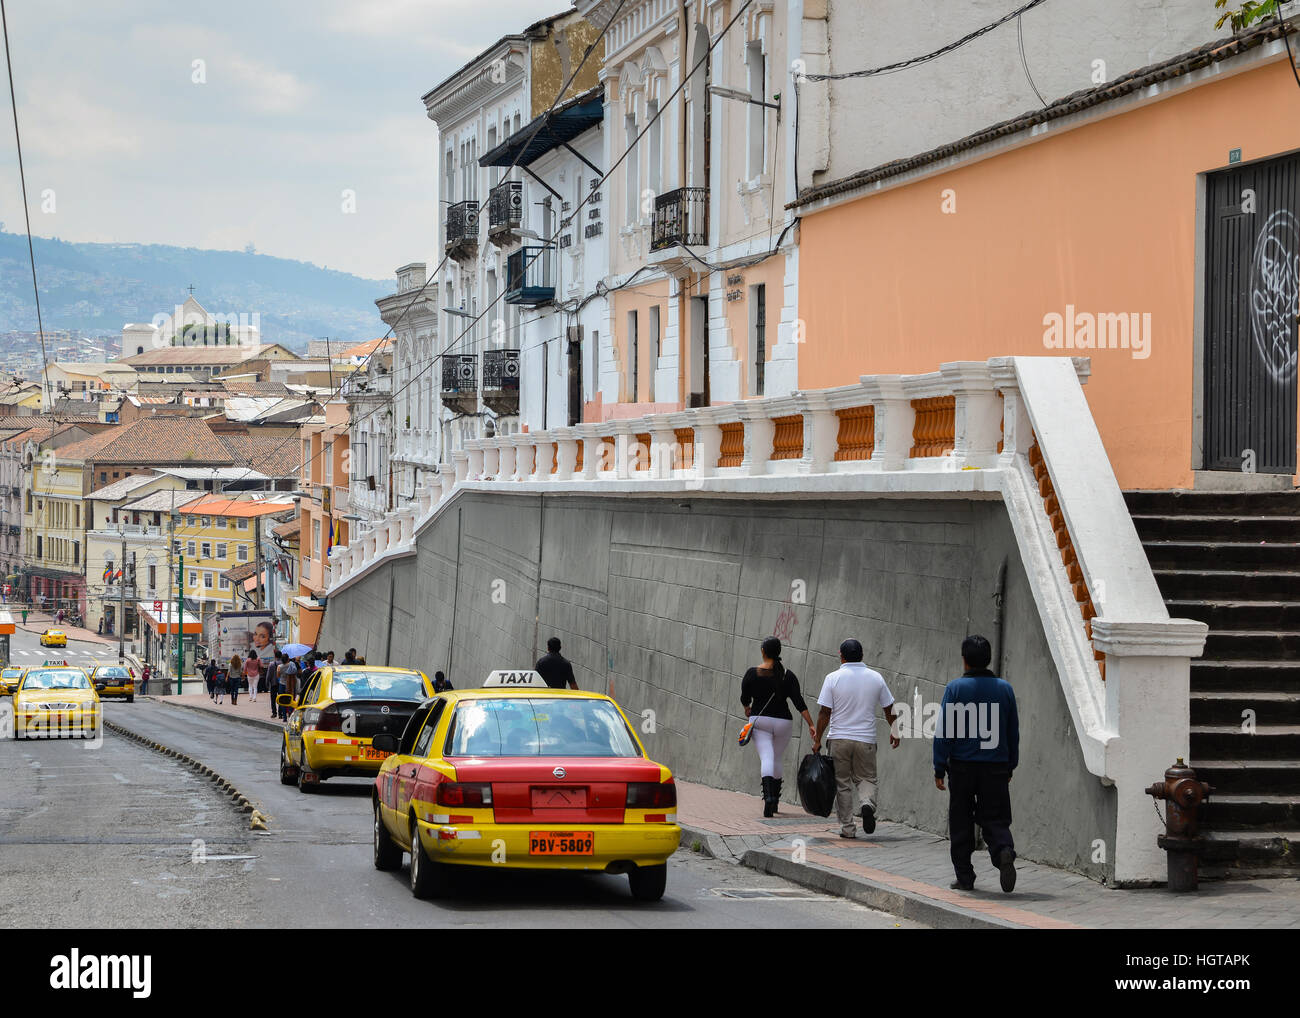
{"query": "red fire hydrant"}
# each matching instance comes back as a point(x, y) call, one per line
point(1183, 796)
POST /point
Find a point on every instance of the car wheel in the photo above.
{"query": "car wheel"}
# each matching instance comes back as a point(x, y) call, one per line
point(287, 770)
point(648, 882)
point(304, 785)
point(388, 855)
point(428, 878)
point(130, 698)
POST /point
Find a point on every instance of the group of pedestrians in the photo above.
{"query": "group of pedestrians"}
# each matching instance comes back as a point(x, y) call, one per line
point(977, 764)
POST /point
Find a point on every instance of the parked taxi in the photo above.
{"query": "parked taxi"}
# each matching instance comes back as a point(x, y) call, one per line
point(54, 638)
point(118, 680)
point(56, 700)
point(9, 677)
point(520, 775)
point(341, 709)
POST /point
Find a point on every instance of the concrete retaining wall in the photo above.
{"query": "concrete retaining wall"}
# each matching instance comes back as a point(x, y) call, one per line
point(667, 600)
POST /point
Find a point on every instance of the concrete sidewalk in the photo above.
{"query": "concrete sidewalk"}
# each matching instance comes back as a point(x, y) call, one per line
point(907, 872)
point(246, 710)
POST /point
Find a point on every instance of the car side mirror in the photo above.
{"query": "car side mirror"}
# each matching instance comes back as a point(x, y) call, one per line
point(99, 687)
point(386, 742)
point(285, 700)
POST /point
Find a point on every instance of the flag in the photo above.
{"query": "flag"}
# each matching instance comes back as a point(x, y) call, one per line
point(330, 539)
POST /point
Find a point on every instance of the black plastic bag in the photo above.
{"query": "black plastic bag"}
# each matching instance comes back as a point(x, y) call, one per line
point(817, 784)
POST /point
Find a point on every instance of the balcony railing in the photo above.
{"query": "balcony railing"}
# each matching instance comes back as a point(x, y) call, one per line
point(505, 208)
point(681, 217)
point(460, 381)
point(501, 381)
point(530, 276)
point(462, 228)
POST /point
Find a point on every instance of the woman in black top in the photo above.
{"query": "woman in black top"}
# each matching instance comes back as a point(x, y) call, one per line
point(764, 692)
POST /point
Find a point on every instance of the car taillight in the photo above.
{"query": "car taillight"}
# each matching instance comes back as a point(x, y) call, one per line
point(328, 720)
point(651, 794)
point(451, 793)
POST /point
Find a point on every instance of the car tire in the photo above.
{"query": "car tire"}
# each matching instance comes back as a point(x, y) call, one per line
point(305, 786)
point(388, 854)
point(288, 773)
point(428, 878)
point(130, 698)
point(648, 882)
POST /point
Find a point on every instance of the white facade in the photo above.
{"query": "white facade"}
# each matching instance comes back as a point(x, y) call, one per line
point(403, 408)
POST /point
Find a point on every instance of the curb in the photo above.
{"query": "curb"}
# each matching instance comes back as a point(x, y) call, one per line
point(268, 724)
point(870, 893)
point(711, 843)
point(257, 820)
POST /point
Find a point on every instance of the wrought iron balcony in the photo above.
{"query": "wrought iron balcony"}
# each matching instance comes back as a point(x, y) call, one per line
point(462, 229)
point(501, 381)
point(460, 382)
point(505, 209)
point(530, 276)
point(681, 217)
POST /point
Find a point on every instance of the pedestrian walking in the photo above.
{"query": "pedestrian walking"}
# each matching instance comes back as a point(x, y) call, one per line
point(440, 682)
point(234, 676)
point(350, 658)
point(144, 680)
point(766, 693)
point(849, 699)
point(210, 676)
point(273, 681)
point(289, 683)
point(977, 747)
point(253, 673)
point(557, 671)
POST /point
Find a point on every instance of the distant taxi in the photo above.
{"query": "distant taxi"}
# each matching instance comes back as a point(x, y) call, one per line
point(118, 680)
point(341, 709)
point(54, 638)
point(520, 775)
point(9, 680)
point(56, 701)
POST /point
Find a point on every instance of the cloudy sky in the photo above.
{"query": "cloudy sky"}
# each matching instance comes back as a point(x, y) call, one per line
point(302, 100)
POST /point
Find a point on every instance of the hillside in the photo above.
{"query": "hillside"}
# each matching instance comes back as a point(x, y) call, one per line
point(99, 287)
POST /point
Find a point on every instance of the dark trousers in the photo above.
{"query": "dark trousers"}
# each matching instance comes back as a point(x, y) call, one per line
point(978, 793)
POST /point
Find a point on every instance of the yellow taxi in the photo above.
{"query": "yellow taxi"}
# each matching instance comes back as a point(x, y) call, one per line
point(340, 710)
point(521, 775)
point(118, 680)
point(54, 638)
point(9, 677)
point(54, 701)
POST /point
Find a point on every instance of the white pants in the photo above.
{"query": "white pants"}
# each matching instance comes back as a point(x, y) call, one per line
point(771, 736)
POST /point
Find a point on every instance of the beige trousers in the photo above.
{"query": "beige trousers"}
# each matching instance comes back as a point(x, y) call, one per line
point(855, 772)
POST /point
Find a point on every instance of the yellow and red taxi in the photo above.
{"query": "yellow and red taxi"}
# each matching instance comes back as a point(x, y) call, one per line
point(521, 775)
point(118, 680)
point(56, 700)
point(54, 638)
point(9, 677)
point(340, 710)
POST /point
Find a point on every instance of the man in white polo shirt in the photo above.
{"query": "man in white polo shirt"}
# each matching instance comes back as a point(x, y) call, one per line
point(849, 699)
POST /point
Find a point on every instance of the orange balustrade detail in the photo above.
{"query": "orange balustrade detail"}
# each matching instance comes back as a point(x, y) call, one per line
point(856, 438)
point(554, 454)
point(732, 452)
point(787, 441)
point(1073, 571)
point(935, 430)
point(577, 466)
point(684, 453)
point(641, 451)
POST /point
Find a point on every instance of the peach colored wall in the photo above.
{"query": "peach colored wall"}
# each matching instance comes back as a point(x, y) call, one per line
point(639, 297)
point(772, 274)
point(1102, 217)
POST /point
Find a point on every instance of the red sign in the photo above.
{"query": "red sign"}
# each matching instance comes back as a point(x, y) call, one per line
point(157, 606)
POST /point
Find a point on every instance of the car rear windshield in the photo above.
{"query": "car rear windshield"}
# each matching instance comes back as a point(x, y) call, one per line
point(359, 685)
point(56, 678)
point(11, 673)
point(111, 673)
point(527, 726)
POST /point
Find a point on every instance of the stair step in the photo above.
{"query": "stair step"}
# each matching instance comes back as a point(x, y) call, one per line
point(1254, 644)
point(1267, 742)
point(1243, 556)
point(1238, 614)
point(1227, 707)
point(1237, 850)
point(1214, 503)
point(1247, 812)
point(1241, 527)
point(1244, 777)
point(1222, 584)
point(1233, 675)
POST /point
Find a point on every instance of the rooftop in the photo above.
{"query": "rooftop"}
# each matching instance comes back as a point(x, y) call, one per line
point(229, 505)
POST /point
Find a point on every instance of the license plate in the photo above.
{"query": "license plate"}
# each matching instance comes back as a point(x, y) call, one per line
point(372, 754)
point(561, 843)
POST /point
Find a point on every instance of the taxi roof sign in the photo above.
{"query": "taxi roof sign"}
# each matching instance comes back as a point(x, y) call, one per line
point(516, 677)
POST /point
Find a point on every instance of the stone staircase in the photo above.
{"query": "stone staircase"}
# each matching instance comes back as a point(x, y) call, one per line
point(1232, 561)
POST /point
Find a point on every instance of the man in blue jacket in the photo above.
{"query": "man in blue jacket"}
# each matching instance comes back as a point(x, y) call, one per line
point(977, 746)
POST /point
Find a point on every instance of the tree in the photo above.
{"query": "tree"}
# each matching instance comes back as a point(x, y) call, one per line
point(1248, 13)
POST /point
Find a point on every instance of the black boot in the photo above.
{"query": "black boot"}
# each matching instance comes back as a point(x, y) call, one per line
point(776, 794)
point(769, 799)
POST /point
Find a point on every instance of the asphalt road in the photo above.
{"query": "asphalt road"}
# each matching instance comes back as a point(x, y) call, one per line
point(118, 835)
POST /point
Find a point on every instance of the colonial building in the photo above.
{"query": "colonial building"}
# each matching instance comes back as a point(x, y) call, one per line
point(401, 402)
